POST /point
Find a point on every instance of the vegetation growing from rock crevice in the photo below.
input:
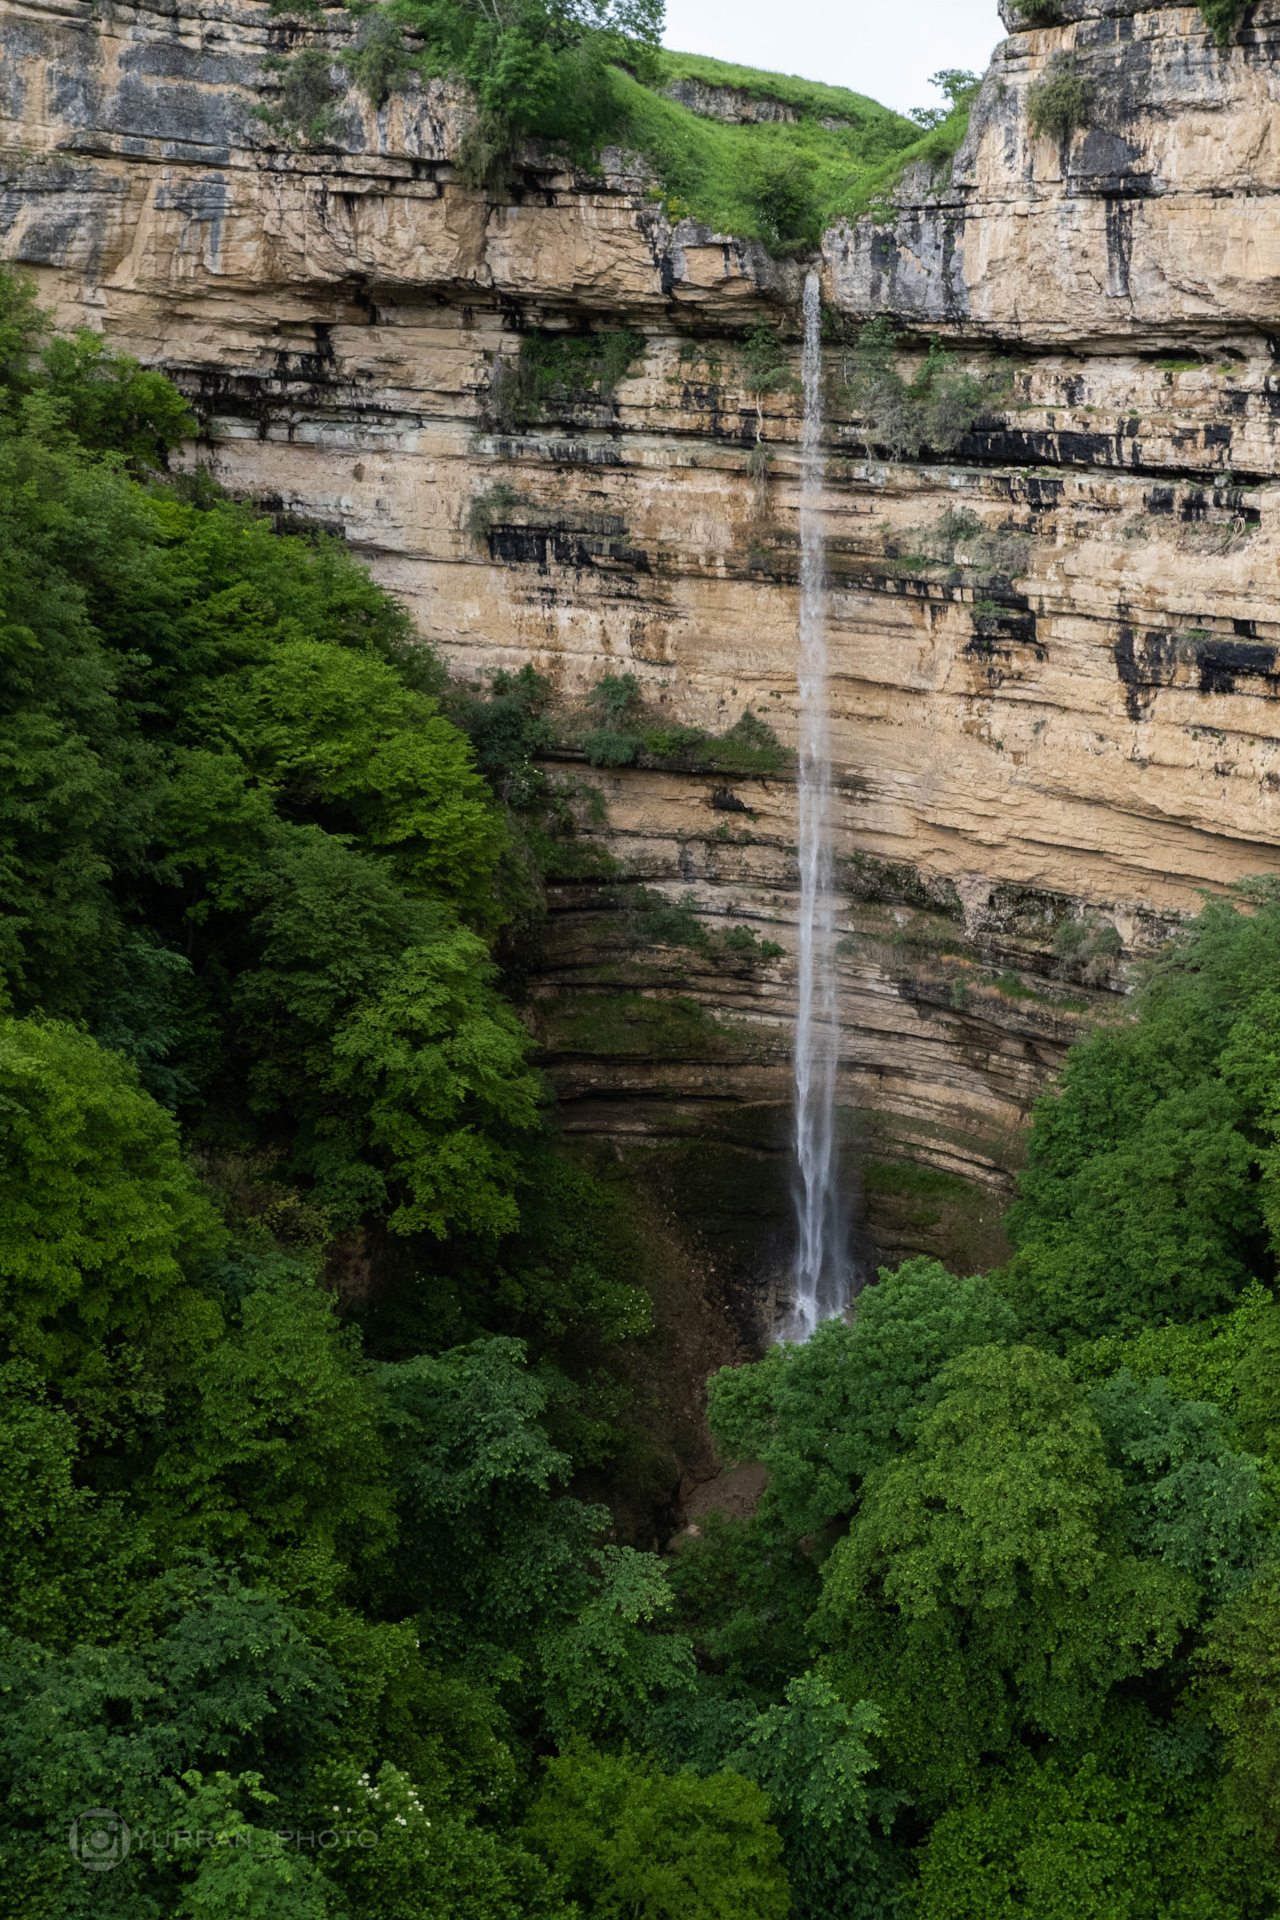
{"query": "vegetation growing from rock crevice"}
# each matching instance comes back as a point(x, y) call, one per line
point(1221, 16)
point(624, 731)
point(963, 544)
point(490, 508)
point(934, 410)
point(1087, 949)
point(305, 113)
point(653, 919)
point(1059, 101)
point(641, 1026)
point(377, 62)
point(554, 375)
point(767, 368)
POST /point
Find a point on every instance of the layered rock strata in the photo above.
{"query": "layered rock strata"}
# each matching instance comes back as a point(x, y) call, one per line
point(1053, 653)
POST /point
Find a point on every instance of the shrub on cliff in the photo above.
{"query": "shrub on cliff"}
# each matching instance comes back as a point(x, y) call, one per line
point(615, 699)
point(304, 113)
point(936, 409)
point(749, 746)
point(77, 392)
point(377, 61)
point(554, 375)
point(1087, 949)
point(1220, 16)
point(1059, 101)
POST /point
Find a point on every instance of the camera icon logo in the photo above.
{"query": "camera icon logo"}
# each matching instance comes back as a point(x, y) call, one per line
point(99, 1839)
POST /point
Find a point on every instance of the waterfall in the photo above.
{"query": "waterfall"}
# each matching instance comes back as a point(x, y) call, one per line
point(821, 1284)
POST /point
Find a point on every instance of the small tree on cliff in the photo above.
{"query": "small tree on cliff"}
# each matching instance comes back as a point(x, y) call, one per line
point(935, 410)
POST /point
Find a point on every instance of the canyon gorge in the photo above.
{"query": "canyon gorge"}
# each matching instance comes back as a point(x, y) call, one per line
point(1052, 652)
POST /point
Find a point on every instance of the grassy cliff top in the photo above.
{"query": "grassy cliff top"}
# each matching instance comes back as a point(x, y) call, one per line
point(774, 181)
point(810, 98)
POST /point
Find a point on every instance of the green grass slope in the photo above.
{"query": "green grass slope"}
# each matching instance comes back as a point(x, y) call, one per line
point(809, 97)
point(777, 182)
point(938, 147)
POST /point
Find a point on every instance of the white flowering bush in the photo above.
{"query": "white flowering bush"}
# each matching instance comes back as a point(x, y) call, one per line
point(403, 1865)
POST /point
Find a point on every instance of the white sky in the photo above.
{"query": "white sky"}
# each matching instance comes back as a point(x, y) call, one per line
point(886, 48)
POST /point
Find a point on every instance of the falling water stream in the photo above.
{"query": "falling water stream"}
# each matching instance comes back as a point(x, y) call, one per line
point(821, 1280)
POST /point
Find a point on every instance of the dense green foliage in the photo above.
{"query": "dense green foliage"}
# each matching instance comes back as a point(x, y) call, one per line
point(562, 374)
point(1221, 17)
point(1150, 1189)
point(621, 730)
point(632, 1839)
point(240, 840)
point(534, 67)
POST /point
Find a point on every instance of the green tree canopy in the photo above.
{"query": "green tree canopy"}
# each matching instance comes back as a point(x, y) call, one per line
point(632, 1840)
point(813, 1754)
point(70, 1559)
point(1239, 1666)
point(1079, 1843)
point(102, 1223)
point(229, 1686)
point(1193, 1500)
point(823, 1414)
point(274, 1450)
point(985, 1591)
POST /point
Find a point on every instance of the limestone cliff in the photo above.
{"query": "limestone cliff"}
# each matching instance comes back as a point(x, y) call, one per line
point(1089, 740)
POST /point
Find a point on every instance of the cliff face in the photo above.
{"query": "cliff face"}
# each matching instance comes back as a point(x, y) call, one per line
point(1089, 741)
point(1155, 224)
